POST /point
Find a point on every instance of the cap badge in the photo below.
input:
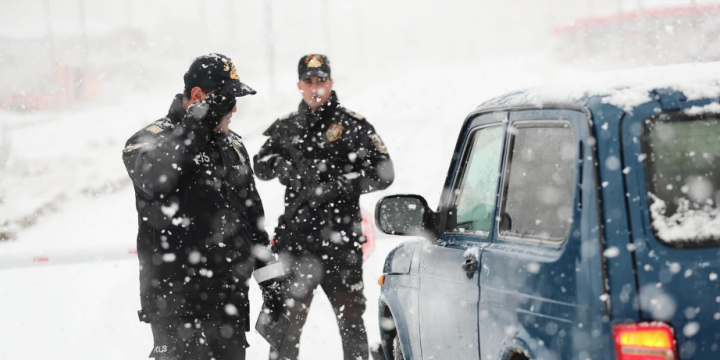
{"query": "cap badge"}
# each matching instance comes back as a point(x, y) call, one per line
point(229, 66)
point(314, 61)
point(334, 132)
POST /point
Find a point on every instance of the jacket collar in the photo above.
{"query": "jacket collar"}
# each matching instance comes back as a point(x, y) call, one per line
point(323, 113)
point(176, 111)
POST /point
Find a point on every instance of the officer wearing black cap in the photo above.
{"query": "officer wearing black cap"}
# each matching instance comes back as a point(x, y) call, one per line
point(200, 221)
point(326, 156)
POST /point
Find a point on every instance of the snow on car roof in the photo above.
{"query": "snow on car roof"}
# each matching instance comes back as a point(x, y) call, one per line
point(624, 89)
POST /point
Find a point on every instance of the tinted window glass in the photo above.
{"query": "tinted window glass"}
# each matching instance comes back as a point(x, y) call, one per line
point(537, 201)
point(683, 178)
point(476, 193)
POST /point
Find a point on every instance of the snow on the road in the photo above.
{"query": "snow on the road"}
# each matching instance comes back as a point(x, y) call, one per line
point(81, 302)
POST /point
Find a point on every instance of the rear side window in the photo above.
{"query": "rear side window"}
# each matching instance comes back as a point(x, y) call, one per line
point(681, 155)
point(538, 189)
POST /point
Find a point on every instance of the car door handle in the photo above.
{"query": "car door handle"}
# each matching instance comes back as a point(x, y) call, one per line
point(470, 264)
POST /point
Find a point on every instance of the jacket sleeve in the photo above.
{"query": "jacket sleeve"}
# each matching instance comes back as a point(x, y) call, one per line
point(375, 169)
point(256, 213)
point(266, 160)
point(155, 157)
point(260, 238)
point(269, 155)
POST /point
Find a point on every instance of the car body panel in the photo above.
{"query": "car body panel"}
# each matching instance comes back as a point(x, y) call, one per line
point(561, 301)
point(677, 285)
point(448, 301)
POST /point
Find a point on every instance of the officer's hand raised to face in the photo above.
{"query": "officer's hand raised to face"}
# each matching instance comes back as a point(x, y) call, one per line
point(213, 109)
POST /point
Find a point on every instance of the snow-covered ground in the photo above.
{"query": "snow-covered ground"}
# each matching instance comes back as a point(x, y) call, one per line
point(70, 277)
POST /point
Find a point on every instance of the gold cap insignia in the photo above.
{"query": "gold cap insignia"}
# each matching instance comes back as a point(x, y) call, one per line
point(334, 132)
point(314, 61)
point(229, 66)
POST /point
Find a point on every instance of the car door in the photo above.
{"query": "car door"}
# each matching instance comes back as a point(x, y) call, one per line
point(449, 287)
point(541, 281)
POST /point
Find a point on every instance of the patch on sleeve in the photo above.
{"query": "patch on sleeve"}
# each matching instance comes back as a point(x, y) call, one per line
point(287, 116)
point(159, 351)
point(379, 144)
point(133, 147)
point(355, 115)
point(155, 129)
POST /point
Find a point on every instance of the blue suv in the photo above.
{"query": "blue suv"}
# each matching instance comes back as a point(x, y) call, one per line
point(586, 228)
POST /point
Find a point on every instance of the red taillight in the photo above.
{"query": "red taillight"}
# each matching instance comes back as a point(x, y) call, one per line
point(644, 341)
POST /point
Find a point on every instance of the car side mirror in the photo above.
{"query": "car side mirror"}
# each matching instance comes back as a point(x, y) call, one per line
point(404, 215)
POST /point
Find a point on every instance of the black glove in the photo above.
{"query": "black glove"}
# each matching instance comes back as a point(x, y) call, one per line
point(213, 109)
point(273, 298)
point(286, 172)
point(326, 192)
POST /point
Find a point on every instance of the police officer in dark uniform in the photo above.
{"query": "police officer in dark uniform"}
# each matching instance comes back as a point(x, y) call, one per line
point(200, 220)
point(326, 156)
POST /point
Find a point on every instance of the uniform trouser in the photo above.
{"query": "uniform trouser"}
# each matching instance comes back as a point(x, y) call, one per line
point(183, 339)
point(343, 286)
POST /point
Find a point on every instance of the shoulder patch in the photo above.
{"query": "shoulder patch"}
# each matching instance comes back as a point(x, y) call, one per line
point(287, 116)
point(154, 129)
point(160, 126)
point(354, 114)
point(378, 143)
point(272, 127)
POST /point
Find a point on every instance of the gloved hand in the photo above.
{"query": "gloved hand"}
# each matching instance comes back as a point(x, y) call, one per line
point(273, 298)
point(326, 192)
point(213, 109)
point(286, 172)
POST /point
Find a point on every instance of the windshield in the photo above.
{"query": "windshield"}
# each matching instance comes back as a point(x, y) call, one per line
point(681, 156)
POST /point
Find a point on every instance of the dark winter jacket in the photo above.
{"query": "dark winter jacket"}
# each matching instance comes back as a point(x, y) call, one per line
point(199, 215)
point(331, 145)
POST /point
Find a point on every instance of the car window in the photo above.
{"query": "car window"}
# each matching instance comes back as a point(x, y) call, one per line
point(682, 177)
point(476, 191)
point(538, 188)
